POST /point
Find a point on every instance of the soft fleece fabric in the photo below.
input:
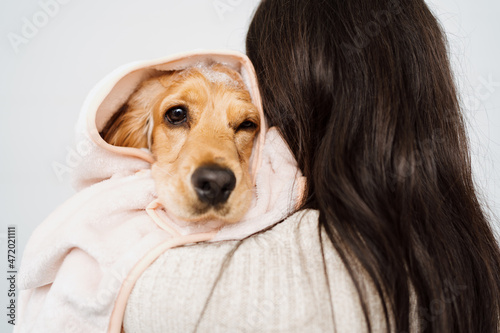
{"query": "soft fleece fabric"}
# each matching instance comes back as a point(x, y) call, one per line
point(81, 263)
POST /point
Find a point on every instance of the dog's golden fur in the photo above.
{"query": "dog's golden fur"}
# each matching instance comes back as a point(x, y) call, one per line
point(220, 128)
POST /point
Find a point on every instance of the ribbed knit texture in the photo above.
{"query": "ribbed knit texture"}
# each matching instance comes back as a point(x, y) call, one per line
point(274, 282)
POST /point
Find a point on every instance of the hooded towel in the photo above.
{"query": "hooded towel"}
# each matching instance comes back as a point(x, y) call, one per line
point(81, 263)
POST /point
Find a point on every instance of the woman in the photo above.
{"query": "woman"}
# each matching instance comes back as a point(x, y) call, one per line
point(391, 236)
point(363, 93)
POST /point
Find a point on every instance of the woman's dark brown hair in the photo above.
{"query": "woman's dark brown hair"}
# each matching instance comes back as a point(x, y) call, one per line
point(363, 93)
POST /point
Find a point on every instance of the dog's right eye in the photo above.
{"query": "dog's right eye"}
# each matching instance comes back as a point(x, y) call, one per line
point(176, 115)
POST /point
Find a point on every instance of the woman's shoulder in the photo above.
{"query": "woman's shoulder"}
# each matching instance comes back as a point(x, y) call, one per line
point(298, 230)
point(279, 280)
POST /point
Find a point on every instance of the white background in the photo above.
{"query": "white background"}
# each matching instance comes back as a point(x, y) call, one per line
point(44, 81)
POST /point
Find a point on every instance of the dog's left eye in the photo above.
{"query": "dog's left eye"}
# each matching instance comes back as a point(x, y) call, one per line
point(176, 115)
point(247, 124)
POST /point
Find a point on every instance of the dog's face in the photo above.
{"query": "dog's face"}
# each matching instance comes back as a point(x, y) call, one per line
point(200, 124)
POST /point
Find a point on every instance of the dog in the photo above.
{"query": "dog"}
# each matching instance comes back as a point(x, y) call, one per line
point(200, 125)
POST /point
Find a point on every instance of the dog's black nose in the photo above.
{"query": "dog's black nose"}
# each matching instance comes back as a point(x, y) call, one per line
point(213, 184)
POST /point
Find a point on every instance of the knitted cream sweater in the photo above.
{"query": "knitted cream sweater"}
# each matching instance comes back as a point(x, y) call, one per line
point(274, 282)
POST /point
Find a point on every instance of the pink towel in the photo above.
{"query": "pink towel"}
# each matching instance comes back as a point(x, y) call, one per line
point(81, 263)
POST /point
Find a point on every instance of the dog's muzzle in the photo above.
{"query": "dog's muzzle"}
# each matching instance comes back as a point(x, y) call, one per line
point(213, 184)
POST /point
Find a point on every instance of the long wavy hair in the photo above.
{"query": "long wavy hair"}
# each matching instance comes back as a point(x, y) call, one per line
point(363, 93)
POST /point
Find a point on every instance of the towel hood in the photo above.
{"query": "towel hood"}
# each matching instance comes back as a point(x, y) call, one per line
point(114, 90)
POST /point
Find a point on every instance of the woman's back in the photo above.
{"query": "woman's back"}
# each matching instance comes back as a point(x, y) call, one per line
point(275, 281)
point(363, 93)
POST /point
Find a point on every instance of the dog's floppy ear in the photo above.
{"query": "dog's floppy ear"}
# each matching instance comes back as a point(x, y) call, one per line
point(128, 128)
point(132, 124)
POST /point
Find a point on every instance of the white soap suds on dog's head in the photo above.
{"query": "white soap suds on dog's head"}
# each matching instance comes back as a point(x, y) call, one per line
point(215, 76)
